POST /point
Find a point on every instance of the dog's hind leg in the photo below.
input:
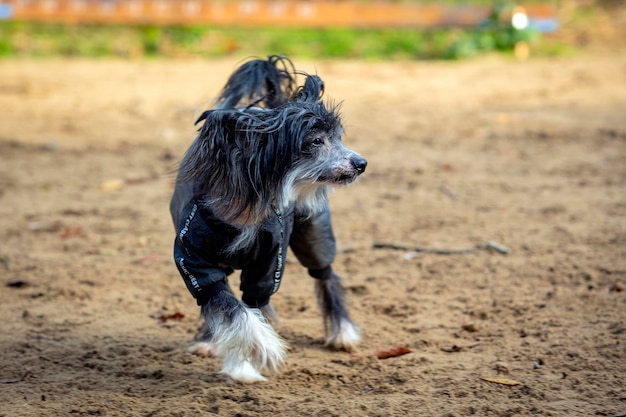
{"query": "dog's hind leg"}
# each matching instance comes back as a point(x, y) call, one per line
point(202, 347)
point(313, 243)
point(341, 333)
point(203, 344)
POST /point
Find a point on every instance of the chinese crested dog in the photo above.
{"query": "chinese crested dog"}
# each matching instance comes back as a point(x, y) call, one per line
point(253, 183)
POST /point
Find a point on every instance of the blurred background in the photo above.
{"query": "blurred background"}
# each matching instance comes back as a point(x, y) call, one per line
point(382, 29)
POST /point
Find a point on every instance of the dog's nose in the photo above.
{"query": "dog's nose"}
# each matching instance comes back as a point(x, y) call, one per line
point(359, 164)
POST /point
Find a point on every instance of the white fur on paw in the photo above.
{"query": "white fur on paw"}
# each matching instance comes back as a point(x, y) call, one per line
point(249, 337)
point(345, 337)
point(241, 371)
point(202, 348)
point(267, 348)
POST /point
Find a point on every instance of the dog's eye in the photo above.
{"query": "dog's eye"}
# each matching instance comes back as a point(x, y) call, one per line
point(312, 145)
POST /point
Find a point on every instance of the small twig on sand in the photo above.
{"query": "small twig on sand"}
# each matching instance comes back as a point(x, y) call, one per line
point(491, 245)
point(447, 192)
point(26, 374)
point(424, 250)
point(488, 246)
point(458, 348)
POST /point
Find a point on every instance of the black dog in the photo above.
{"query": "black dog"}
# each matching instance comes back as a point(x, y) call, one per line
point(254, 182)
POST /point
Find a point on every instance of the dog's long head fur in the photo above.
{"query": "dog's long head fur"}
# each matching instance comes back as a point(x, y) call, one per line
point(286, 149)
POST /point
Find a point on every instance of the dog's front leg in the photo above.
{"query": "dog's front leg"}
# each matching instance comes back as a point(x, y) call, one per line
point(243, 338)
point(203, 341)
point(341, 333)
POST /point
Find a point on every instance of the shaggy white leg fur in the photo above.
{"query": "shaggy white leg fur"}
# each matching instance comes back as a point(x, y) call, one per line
point(269, 314)
point(344, 337)
point(249, 344)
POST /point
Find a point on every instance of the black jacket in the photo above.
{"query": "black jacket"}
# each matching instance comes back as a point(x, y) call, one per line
point(203, 262)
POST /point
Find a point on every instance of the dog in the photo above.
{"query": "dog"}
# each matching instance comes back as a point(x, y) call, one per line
point(253, 183)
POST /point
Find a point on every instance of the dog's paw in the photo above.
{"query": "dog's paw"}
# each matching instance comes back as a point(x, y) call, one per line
point(267, 350)
point(344, 337)
point(202, 348)
point(249, 337)
point(241, 372)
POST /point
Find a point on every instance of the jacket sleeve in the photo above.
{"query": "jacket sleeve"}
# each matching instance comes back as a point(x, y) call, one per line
point(313, 241)
point(203, 276)
point(262, 274)
point(203, 279)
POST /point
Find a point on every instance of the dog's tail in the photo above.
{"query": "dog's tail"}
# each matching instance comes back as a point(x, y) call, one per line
point(261, 82)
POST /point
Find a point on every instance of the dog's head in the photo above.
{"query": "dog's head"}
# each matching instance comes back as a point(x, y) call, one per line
point(246, 161)
point(323, 160)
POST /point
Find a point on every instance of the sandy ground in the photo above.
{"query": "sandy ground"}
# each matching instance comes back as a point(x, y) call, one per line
point(528, 155)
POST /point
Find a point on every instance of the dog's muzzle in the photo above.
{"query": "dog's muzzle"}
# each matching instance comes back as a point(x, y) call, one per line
point(352, 168)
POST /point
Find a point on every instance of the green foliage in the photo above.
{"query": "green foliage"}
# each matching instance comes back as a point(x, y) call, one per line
point(48, 39)
point(150, 39)
point(495, 34)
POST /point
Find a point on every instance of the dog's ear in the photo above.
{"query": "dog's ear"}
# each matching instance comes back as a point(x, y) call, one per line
point(203, 116)
point(205, 152)
point(312, 90)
